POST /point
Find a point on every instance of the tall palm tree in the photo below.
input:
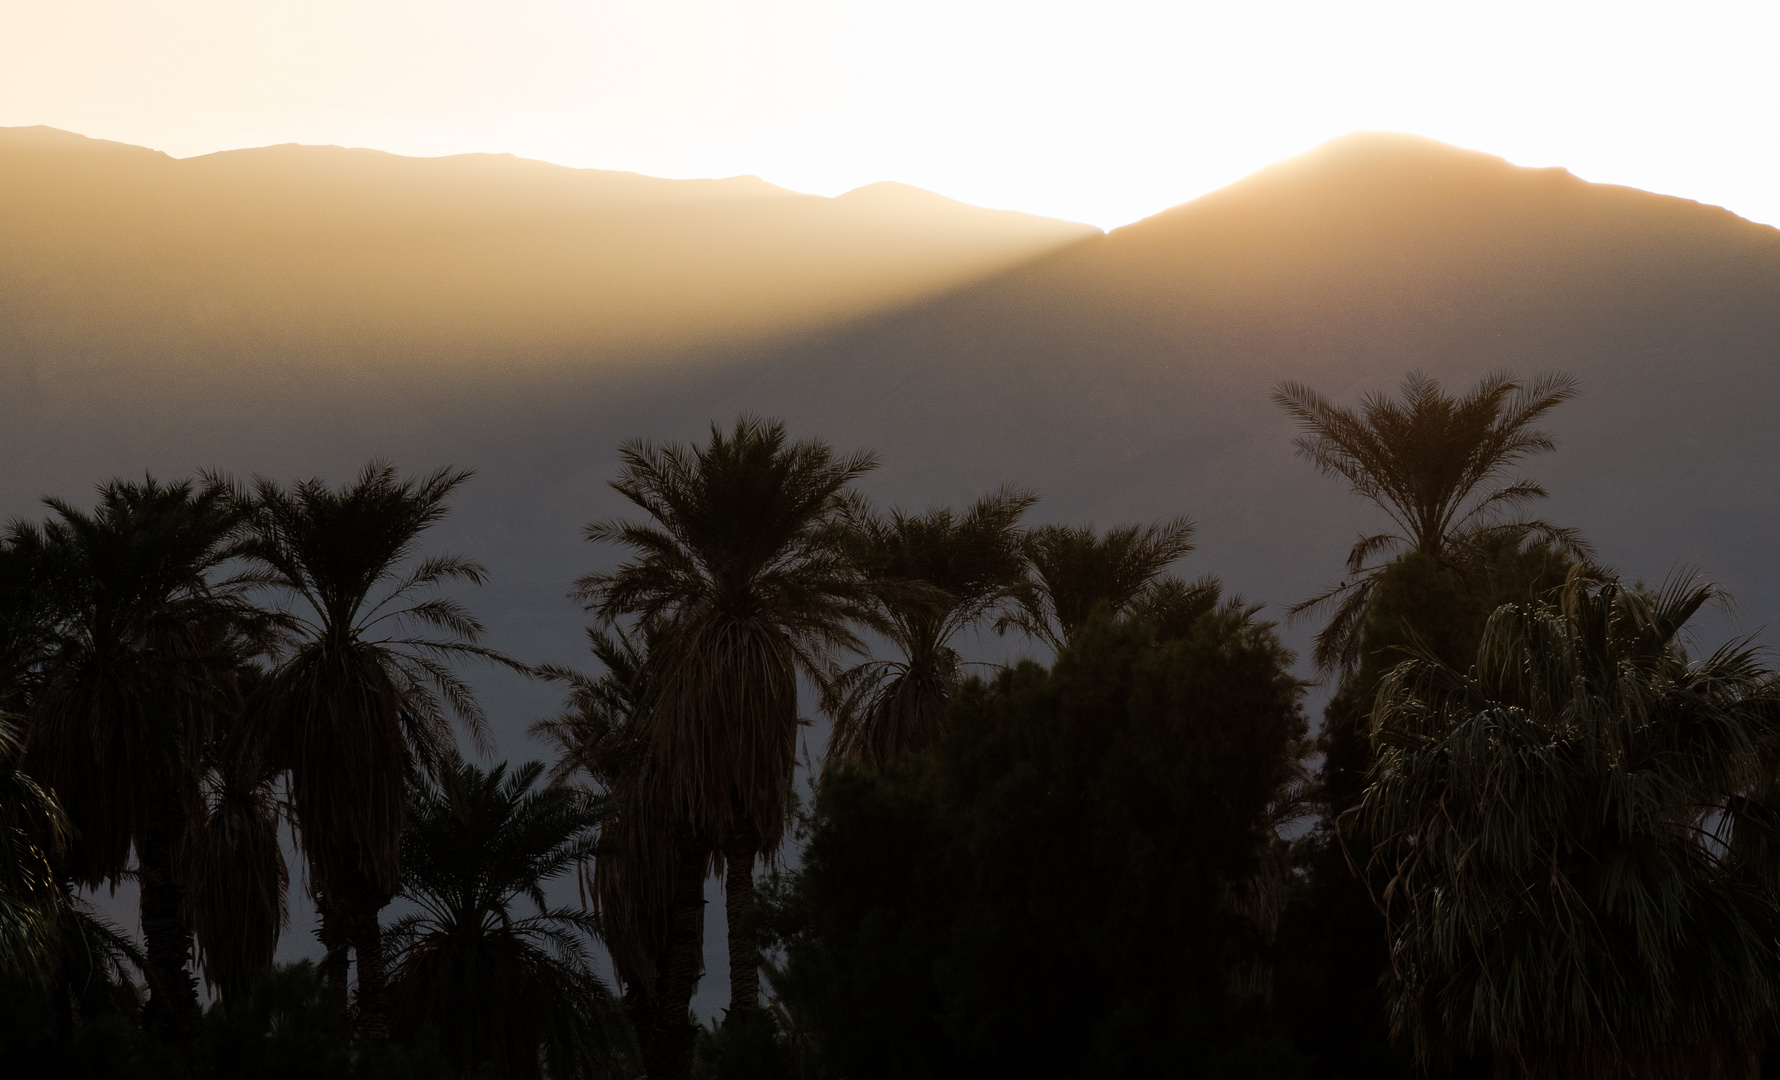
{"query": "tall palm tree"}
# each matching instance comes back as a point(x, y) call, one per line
point(52, 942)
point(238, 880)
point(1577, 842)
point(744, 560)
point(647, 877)
point(1076, 569)
point(1438, 466)
point(964, 567)
point(364, 697)
point(141, 642)
point(511, 991)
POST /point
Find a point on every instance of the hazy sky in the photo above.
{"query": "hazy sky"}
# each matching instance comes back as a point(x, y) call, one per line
point(1099, 111)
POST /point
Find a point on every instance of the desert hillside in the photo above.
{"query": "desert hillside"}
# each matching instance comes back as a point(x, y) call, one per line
point(1127, 376)
point(297, 311)
point(287, 277)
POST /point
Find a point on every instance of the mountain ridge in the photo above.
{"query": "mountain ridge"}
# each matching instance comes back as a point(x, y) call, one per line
point(1122, 376)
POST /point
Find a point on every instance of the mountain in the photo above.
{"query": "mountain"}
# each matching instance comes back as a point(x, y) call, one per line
point(334, 282)
point(1126, 377)
point(299, 310)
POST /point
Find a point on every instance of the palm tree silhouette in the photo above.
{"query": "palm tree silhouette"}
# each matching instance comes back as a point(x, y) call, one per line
point(138, 655)
point(52, 942)
point(1426, 460)
point(744, 561)
point(1076, 569)
point(514, 991)
point(647, 879)
point(33, 836)
point(363, 700)
point(238, 880)
point(1576, 874)
point(938, 574)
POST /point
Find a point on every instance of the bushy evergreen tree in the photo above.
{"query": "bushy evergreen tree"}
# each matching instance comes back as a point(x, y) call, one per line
point(1046, 891)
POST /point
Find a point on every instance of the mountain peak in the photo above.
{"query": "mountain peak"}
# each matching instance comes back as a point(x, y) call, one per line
point(1376, 181)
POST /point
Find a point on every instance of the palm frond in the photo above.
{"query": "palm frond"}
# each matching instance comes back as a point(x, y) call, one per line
point(518, 993)
point(743, 562)
point(1559, 831)
point(1076, 570)
point(356, 706)
point(1427, 459)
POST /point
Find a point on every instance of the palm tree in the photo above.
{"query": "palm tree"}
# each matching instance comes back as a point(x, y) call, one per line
point(1431, 462)
point(238, 880)
point(137, 660)
point(51, 941)
point(963, 567)
point(515, 992)
point(1577, 842)
point(647, 879)
point(33, 837)
point(1075, 570)
point(744, 561)
point(364, 697)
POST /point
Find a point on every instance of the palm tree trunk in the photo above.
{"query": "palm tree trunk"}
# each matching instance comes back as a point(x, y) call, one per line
point(645, 1019)
point(334, 962)
point(166, 931)
point(738, 902)
point(668, 1053)
point(373, 996)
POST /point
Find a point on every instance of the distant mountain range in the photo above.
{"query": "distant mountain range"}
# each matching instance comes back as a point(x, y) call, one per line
point(299, 310)
point(1126, 376)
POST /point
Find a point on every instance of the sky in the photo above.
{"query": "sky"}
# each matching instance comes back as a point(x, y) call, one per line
point(1101, 112)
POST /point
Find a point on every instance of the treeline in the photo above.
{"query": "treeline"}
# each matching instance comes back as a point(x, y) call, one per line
point(1533, 837)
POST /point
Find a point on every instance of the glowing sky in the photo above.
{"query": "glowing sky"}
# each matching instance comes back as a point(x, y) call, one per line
point(1099, 111)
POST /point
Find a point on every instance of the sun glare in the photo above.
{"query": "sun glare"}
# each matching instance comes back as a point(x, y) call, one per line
point(1101, 113)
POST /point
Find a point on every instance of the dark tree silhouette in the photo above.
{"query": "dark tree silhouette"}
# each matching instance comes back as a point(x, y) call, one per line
point(137, 664)
point(938, 574)
point(238, 880)
point(1045, 891)
point(744, 561)
point(647, 882)
point(1577, 877)
point(1075, 570)
point(33, 836)
point(1438, 466)
point(364, 696)
point(505, 989)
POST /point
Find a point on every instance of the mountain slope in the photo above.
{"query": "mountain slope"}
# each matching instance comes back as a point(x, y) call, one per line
point(328, 274)
point(297, 311)
point(1127, 376)
point(1122, 377)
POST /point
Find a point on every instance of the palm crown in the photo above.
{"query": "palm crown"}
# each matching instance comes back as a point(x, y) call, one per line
point(1076, 569)
point(937, 574)
point(365, 694)
point(502, 987)
point(1438, 466)
point(744, 562)
point(601, 735)
point(745, 567)
point(1574, 841)
point(135, 642)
